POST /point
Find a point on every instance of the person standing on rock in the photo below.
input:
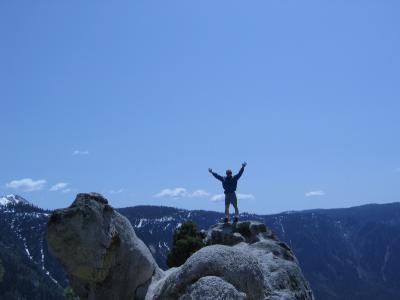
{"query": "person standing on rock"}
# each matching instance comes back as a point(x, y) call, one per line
point(229, 183)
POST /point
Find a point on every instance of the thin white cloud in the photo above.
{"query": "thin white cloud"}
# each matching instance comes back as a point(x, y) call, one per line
point(318, 193)
point(80, 152)
point(245, 196)
point(217, 198)
point(27, 184)
point(66, 190)
point(116, 191)
point(221, 197)
point(199, 194)
point(172, 193)
point(58, 186)
point(180, 192)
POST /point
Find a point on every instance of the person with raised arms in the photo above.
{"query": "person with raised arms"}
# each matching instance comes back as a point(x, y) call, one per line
point(229, 184)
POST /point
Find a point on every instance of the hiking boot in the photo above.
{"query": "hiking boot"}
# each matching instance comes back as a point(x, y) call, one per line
point(235, 220)
point(226, 220)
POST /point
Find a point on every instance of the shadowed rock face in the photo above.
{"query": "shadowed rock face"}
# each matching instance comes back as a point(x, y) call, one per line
point(99, 250)
point(105, 260)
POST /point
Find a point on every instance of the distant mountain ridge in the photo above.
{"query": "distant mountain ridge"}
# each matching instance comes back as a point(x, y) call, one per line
point(348, 253)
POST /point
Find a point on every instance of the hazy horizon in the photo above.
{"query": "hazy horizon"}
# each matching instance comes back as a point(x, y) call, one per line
point(219, 209)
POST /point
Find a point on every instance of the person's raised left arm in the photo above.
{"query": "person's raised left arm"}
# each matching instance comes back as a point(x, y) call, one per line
point(238, 175)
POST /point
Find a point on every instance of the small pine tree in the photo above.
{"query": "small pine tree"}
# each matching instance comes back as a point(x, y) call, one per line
point(186, 241)
point(69, 294)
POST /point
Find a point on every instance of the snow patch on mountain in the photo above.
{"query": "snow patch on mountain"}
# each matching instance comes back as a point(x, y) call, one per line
point(13, 200)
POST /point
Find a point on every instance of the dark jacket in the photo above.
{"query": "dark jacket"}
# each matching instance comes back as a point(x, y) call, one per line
point(229, 184)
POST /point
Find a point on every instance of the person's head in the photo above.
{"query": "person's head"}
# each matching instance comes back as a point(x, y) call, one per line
point(229, 173)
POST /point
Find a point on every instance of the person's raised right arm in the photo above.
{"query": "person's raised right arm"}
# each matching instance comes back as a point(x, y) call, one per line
point(219, 177)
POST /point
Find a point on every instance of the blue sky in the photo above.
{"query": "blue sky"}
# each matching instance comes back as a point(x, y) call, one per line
point(136, 99)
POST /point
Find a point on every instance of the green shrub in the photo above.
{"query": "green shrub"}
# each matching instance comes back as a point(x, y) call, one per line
point(186, 241)
point(69, 294)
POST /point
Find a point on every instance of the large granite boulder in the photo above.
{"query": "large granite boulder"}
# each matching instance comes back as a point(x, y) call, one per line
point(98, 248)
point(104, 259)
point(255, 265)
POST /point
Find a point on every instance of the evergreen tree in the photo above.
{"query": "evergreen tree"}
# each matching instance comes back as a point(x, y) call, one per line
point(186, 241)
point(69, 294)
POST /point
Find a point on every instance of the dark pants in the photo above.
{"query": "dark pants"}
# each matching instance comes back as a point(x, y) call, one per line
point(230, 198)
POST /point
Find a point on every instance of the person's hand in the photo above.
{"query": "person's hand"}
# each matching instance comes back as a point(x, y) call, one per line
point(244, 164)
point(210, 170)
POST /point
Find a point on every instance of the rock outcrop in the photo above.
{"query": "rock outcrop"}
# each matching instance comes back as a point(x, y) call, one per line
point(254, 265)
point(99, 250)
point(105, 260)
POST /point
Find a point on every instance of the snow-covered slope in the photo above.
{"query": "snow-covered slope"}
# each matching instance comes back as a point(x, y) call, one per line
point(30, 272)
point(12, 200)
